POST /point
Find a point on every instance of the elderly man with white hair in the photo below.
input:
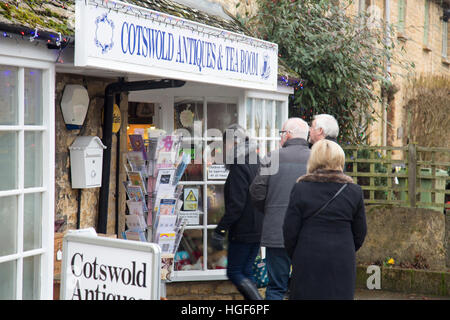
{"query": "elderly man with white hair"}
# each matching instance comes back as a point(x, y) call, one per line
point(270, 192)
point(324, 126)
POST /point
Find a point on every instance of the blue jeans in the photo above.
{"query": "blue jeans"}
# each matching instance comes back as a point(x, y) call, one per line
point(241, 257)
point(278, 269)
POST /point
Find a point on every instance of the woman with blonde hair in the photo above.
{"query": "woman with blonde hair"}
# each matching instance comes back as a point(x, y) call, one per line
point(325, 224)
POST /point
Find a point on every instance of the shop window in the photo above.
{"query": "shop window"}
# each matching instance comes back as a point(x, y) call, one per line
point(203, 121)
point(264, 126)
point(26, 181)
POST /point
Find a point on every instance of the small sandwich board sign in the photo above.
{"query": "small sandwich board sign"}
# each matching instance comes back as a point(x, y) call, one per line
point(99, 268)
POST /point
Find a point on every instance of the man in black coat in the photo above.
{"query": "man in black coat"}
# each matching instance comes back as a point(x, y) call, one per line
point(241, 220)
point(270, 193)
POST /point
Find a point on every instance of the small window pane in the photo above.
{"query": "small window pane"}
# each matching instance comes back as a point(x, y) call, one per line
point(249, 113)
point(190, 252)
point(258, 118)
point(32, 221)
point(33, 159)
point(214, 153)
point(279, 116)
point(216, 203)
point(8, 96)
point(217, 259)
point(8, 160)
point(269, 109)
point(33, 97)
point(8, 225)
point(31, 283)
point(8, 271)
point(192, 209)
point(193, 172)
point(189, 114)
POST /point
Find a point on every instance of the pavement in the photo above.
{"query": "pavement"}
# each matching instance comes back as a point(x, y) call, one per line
point(364, 294)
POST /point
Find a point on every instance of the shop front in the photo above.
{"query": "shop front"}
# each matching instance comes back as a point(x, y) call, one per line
point(223, 77)
point(229, 78)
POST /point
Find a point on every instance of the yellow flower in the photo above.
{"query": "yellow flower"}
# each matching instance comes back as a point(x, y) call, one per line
point(391, 261)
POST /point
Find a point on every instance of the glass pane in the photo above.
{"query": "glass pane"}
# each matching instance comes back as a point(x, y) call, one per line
point(189, 115)
point(193, 172)
point(269, 109)
point(8, 274)
point(32, 221)
point(214, 153)
point(8, 160)
point(192, 208)
point(33, 159)
point(8, 96)
point(190, 252)
point(33, 97)
point(249, 113)
point(258, 118)
point(279, 115)
point(220, 116)
point(217, 259)
point(216, 203)
point(31, 276)
point(8, 225)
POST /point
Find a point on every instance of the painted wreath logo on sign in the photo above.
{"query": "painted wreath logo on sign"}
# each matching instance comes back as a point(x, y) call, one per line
point(104, 33)
point(265, 71)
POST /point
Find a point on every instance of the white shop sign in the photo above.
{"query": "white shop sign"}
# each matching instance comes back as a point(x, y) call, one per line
point(119, 36)
point(99, 268)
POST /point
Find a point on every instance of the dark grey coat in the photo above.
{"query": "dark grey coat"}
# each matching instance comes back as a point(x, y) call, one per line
point(270, 192)
point(322, 249)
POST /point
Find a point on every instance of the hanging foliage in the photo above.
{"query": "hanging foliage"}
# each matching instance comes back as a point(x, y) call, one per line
point(341, 57)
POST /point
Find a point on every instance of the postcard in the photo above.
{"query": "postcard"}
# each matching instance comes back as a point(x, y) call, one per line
point(137, 143)
point(135, 207)
point(165, 179)
point(135, 193)
point(166, 223)
point(136, 179)
point(167, 206)
point(167, 241)
point(167, 262)
point(134, 235)
point(135, 222)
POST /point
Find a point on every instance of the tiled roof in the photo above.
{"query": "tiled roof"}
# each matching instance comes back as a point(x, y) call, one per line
point(58, 16)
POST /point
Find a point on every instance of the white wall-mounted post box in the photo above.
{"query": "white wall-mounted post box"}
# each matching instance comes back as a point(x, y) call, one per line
point(86, 160)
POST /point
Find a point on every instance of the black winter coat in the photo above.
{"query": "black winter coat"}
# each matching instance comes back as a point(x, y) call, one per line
point(322, 249)
point(242, 221)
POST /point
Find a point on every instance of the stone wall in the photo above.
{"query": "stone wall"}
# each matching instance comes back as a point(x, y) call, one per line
point(66, 204)
point(402, 234)
point(204, 290)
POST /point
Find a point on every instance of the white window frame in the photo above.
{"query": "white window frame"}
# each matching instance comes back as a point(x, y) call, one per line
point(45, 252)
point(220, 274)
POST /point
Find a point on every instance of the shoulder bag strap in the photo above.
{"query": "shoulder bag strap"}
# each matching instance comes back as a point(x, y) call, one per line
point(328, 202)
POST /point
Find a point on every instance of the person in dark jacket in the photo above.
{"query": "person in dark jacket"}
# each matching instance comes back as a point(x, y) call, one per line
point(242, 221)
point(270, 193)
point(322, 247)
